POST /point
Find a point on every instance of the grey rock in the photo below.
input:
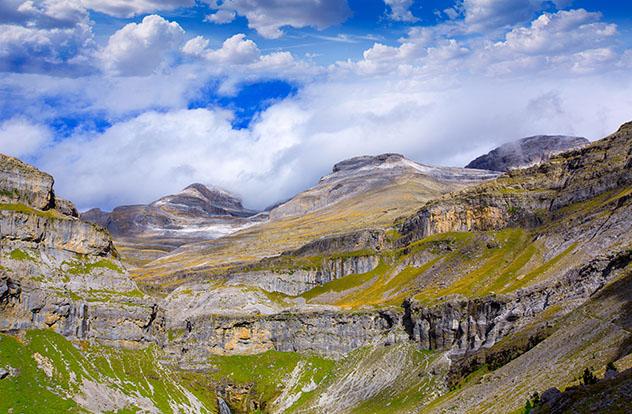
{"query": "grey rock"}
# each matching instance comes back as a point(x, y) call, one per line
point(550, 396)
point(194, 214)
point(56, 232)
point(527, 197)
point(526, 152)
point(24, 184)
point(66, 207)
point(223, 407)
point(295, 282)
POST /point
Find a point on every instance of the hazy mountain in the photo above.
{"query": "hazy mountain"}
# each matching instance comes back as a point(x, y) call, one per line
point(526, 151)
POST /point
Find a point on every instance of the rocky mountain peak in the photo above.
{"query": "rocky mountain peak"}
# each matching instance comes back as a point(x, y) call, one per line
point(526, 151)
point(203, 199)
point(366, 174)
point(356, 163)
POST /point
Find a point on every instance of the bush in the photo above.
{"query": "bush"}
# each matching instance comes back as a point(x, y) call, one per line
point(588, 377)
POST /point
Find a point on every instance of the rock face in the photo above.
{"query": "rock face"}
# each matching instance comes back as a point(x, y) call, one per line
point(294, 282)
point(526, 197)
point(21, 183)
point(196, 213)
point(462, 326)
point(330, 333)
point(369, 173)
point(526, 152)
point(458, 326)
point(60, 272)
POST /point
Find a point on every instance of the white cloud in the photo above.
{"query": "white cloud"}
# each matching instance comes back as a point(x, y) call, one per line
point(489, 14)
point(221, 17)
point(574, 41)
point(400, 10)
point(484, 15)
point(563, 31)
point(239, 60)
point(45, 36)
point(141, 48)
point(130, 8)
point(267, 17)
point(21, 138)
point(235, 50)
point(298, 140)
point(158, 152)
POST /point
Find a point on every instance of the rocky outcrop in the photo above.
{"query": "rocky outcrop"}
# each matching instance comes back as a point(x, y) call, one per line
point(528, 197)
point(371, 173)
point(21, 183)
point(526, 152)
point(350, 242)
point(55, 232)
point(58, 272)
point(462, 326)
point(296, 281)
point(330, 333)
point(66, 207)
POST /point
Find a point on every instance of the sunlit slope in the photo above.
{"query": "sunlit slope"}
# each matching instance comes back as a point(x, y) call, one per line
point(377, 208)
point(596, 333)
point(477, 264)
point(50, 374)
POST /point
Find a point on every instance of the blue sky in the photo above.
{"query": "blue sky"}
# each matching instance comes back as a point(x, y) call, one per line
point(125, 101)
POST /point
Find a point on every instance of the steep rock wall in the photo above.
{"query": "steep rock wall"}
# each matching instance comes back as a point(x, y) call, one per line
point(295, 282)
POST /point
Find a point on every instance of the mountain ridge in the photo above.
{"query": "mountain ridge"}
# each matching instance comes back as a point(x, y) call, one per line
point(527, 151)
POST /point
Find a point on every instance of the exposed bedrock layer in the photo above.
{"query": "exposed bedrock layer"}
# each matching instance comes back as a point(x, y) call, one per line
point(525, 197)
point(296, 281)
point(455, 325)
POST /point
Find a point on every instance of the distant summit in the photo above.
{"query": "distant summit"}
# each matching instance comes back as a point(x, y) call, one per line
point(373, 173)
point(526, 151)
point(198, 212)
point(199, 199)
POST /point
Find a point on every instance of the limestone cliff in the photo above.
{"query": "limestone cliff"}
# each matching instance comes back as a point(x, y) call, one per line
point(60, 272)
point(528, 197)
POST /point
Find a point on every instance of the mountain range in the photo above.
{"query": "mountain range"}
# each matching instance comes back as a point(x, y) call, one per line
point(389, 286)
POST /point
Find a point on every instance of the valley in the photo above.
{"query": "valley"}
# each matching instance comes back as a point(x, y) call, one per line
point(389, 286)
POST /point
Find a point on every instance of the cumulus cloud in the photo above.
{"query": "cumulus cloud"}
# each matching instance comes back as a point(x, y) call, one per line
point(221, 17)
point(130, 8)
point(267, 17)
point(563, 31)
point(141, 48)
point(45, 36)
point(572, 41)
point(400, 10)
point(21, 138)
point(240, 60)
point(235, 50)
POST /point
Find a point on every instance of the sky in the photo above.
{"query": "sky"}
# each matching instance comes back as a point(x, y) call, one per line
point(124, 101)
